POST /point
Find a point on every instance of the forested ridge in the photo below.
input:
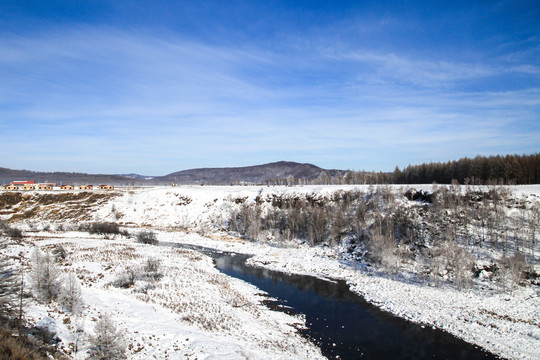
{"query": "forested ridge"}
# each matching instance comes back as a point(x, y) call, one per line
point(481, 170)
point(509, 169)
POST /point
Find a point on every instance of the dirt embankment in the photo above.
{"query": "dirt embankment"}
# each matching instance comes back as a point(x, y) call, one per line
point(16, 206)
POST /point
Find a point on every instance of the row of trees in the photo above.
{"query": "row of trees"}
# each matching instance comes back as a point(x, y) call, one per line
point(481, 170)
point(441, 238)
point(509, 169)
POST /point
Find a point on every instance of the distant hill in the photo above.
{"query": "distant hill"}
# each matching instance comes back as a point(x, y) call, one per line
point(8, 175)
point(276, 172)
point(248, 174)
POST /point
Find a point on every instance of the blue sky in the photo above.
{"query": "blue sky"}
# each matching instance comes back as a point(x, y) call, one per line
point(154, 87)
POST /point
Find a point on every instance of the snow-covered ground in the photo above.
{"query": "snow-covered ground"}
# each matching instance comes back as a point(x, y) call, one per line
point(192, 312)
point(505, 325)
point(203, 314)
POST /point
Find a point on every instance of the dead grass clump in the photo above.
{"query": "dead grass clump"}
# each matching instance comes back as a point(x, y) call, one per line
point(110, 254)
point(188, 254)
point(28, 214)
point(14, 349)
point(47, 199)
point(115, 255)
point(8, 199)
point(183, 200)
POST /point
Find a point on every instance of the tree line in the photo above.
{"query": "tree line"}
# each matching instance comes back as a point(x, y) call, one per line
point(481, 170)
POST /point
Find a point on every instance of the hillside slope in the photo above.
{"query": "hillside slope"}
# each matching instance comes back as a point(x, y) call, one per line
point(249, 174)
point(9, 175)
point(257, 174)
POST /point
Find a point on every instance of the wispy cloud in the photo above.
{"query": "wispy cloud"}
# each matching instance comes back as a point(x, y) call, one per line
point(138, 101)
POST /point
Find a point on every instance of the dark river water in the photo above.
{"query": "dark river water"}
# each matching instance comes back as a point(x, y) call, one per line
point(341, 322)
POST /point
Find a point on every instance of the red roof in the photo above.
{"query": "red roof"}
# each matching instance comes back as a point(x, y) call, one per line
point(24, 182)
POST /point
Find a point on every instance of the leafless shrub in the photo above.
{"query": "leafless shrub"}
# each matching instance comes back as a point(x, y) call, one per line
point(147, 237)
point(382, 250)
point(126, 278)
point(152, 269)
point(452, 263)
point(460, 264)
point(13, 232)
point(59, 252)
point(104, 228)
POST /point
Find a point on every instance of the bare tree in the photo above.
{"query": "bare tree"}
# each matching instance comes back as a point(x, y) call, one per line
point(323, 178)
point(317, 226)
point(512, 271)
point(290, 180)
point(254, 223)
point(9, 289)
point(45, 275)
point(71, 293)
point(384, 250)
point(460, 263)
point(534, 225)
point(107, 343)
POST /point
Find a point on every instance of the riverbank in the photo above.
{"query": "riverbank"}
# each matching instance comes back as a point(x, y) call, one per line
point(502, 324)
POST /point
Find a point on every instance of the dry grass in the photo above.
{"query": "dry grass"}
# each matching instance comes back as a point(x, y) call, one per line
point(109, 254)
point(14, 349)
point(52, 206)
point(8, 199)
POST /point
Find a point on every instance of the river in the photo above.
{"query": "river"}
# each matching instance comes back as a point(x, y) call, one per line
point(341, 322)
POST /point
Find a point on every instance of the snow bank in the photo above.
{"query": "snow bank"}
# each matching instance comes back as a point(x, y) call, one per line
point(192, 311)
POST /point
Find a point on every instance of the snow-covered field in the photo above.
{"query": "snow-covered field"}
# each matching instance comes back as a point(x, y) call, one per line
point(194, 311)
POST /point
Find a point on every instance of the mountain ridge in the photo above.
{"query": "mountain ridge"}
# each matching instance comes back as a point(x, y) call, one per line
point(275, 171)
point(249, 174)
